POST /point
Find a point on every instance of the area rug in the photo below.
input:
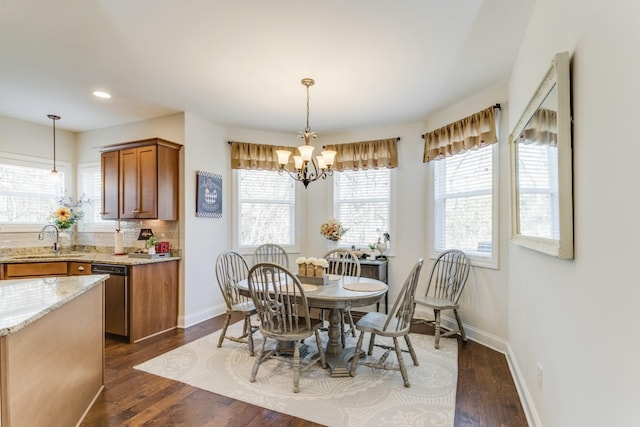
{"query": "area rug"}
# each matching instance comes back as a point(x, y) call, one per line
point(374, 397)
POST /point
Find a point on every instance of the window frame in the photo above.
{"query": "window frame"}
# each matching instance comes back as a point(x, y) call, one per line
point(299, 204)
point(476, 260)
point(392, 212)
point(90, 226)
point(34, 162)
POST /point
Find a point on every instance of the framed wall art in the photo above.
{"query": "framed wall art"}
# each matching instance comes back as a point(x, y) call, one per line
point(209, 195)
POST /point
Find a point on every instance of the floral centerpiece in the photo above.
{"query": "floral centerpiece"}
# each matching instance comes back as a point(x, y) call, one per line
point(69, 212)
point(332, 230)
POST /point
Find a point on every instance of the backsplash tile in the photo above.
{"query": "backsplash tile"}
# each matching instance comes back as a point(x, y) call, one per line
point(100, 242)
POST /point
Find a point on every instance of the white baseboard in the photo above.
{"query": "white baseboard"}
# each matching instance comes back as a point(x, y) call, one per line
point(502, 346)
point(485, 338)
point(200, 316)
point(525, 397)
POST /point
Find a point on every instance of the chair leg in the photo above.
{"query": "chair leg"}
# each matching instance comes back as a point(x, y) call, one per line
point(464, 335)
point(248, 330)
point(403, 369)
point(356, 355)
point(437, 327)
point(296, 366)
point(412, 352)
point(224, 329)
point(352, 326)
point(342, 340)
point(323, 359)
point(258, 361)
point(372, 340)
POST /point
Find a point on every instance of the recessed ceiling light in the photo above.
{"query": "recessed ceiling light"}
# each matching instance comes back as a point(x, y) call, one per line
point(101, 94)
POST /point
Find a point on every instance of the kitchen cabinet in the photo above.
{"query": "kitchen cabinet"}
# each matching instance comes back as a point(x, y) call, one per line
point(109, 165)
point(34, 269)
point(153, 305)
point(78, 268)
point(147, 174)
point(45, 269)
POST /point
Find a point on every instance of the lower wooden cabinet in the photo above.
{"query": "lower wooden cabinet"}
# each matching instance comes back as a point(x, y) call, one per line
point(45, 269)
point(34, 269)
point(153, 307)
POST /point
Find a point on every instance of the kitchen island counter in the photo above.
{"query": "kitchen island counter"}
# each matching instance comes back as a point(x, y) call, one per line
point(23, 301)
point(51, 349)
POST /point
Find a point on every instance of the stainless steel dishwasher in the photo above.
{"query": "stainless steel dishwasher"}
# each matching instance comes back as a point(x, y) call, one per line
point(116, 297)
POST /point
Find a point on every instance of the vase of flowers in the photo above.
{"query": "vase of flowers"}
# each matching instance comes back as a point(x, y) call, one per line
point(333, 230)
point(64, 217)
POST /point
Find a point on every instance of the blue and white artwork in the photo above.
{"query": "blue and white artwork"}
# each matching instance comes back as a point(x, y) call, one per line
point(209, 195)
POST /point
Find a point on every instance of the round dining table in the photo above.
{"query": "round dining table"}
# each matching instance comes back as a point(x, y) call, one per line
point(340, 293)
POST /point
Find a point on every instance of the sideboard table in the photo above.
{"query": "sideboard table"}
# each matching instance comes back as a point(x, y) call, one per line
point(377, 269)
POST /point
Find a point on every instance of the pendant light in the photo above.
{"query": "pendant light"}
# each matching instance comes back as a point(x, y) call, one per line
point(53, 118)
point(308, 168)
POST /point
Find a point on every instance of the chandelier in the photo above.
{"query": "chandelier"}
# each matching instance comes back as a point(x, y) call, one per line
point(307, 167)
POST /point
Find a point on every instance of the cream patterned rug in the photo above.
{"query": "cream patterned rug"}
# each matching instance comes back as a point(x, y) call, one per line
point(372, 398)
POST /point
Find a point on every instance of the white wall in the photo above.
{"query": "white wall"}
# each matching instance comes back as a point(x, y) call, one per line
point(169, 127)
point(575, 318)
point(206, 149)
point(34, 140)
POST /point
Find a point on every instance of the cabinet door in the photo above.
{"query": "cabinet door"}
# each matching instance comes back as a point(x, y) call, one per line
point(138, 183)
point(128, 184)
point(148, 182)
point(110, 175)
point(154, 299)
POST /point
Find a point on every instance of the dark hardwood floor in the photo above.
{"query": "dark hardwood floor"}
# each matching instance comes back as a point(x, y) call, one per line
point(486, 394)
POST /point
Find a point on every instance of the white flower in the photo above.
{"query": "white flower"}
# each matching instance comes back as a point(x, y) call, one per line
point(310, 260)
point(321, 262)
point(301, 260)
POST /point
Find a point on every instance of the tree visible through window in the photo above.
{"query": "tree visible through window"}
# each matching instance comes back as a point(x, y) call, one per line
point(28, 192)
point(266, 208)
point(362, 202)
point(463, 196)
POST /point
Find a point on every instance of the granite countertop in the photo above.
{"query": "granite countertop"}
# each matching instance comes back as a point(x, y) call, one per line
point(84, 257)
point(23, 301)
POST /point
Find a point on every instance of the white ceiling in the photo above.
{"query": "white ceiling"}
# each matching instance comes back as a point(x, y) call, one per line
point(239, 63)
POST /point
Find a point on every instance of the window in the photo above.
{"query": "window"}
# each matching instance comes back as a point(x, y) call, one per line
point(464, 213)
point(90, 184)
point(28, 192)
point(266, 208)
point(362, 202)
point(538, 180)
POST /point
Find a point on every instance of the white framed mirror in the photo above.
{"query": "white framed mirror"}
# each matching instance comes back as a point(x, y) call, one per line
point(541, 167)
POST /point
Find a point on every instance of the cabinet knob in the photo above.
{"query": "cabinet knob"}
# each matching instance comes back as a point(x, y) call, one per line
point(81, 268)
point(135, 211)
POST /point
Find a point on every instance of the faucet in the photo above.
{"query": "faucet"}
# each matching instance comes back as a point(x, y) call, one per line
point(56, 245)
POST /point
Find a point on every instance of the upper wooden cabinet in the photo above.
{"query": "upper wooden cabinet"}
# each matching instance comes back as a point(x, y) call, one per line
point(140, 180)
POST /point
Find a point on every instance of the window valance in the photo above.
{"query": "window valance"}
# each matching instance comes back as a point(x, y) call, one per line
point(382, 153)
point(542, 129)
point(469, 133)
point(245, 155)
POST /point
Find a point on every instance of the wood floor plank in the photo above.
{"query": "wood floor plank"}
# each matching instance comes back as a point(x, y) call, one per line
point(486, 394)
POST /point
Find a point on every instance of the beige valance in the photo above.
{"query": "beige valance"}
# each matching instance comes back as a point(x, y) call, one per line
point(376, 154)
point(542, 129)
point(245, 155)
point(469, 133)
